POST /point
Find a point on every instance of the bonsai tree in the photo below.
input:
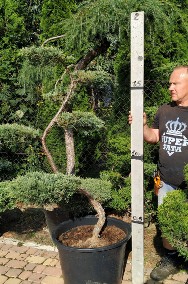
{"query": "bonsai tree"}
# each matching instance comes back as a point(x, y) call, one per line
point(50, 190)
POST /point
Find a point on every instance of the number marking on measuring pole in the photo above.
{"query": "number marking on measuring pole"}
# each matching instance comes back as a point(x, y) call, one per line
point(137, 195)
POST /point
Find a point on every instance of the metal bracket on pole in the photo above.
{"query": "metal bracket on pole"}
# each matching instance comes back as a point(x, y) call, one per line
point(137, 192)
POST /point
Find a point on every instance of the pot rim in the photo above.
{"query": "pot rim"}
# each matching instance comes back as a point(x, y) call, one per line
point(55, 234)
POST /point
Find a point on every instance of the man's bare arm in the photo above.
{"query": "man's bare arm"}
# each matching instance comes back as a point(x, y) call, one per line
point(151, 135)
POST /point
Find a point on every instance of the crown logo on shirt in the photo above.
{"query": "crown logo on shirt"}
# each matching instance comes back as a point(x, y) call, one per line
point(175, 127)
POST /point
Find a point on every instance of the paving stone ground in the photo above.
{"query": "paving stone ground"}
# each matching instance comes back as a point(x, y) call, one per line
point(31, 263)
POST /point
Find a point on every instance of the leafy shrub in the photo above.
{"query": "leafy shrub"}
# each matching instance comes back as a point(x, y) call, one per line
point(86, 122)
point(118, 155)
point(121, 199)
point(7, 199)
point(43, 55)
point(15, 137)
point(121, 193)
point(173, 220)
point(45, 189)
point(150, 199)
point(20, 150)
point(98, 188)
point(5, 168)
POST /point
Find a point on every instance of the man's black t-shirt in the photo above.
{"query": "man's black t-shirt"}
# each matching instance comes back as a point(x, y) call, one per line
point(172, 122)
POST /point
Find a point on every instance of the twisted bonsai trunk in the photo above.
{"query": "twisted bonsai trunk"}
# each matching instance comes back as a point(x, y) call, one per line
point(101, 219)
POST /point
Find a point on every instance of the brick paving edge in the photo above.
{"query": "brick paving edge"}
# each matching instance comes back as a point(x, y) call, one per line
point(11, 241)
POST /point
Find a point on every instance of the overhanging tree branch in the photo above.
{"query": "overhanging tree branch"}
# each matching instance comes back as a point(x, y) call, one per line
point(52, 38)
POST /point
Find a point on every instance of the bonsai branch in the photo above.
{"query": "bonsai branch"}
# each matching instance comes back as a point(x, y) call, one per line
point(52, 122)
point(93, 53)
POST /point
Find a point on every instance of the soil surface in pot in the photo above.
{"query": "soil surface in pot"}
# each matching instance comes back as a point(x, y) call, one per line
point(81, 237)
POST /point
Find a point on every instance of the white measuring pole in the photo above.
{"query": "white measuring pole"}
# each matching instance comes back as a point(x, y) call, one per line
point(137, 192)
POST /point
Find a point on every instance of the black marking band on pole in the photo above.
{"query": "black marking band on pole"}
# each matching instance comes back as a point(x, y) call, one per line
point(137, 88)
point(136, 156)
point(137, 222)
point(140, 158)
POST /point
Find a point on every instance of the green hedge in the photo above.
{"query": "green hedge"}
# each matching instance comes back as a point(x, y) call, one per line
point(173, 220)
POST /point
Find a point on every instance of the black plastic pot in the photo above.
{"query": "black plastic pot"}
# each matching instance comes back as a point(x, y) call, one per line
point(54, 218)
point(102, 265)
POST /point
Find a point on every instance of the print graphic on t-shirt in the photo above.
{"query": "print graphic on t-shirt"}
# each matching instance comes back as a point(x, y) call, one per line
point(173, 139)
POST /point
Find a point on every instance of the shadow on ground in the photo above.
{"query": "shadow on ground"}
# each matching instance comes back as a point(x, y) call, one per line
point(29, 220)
